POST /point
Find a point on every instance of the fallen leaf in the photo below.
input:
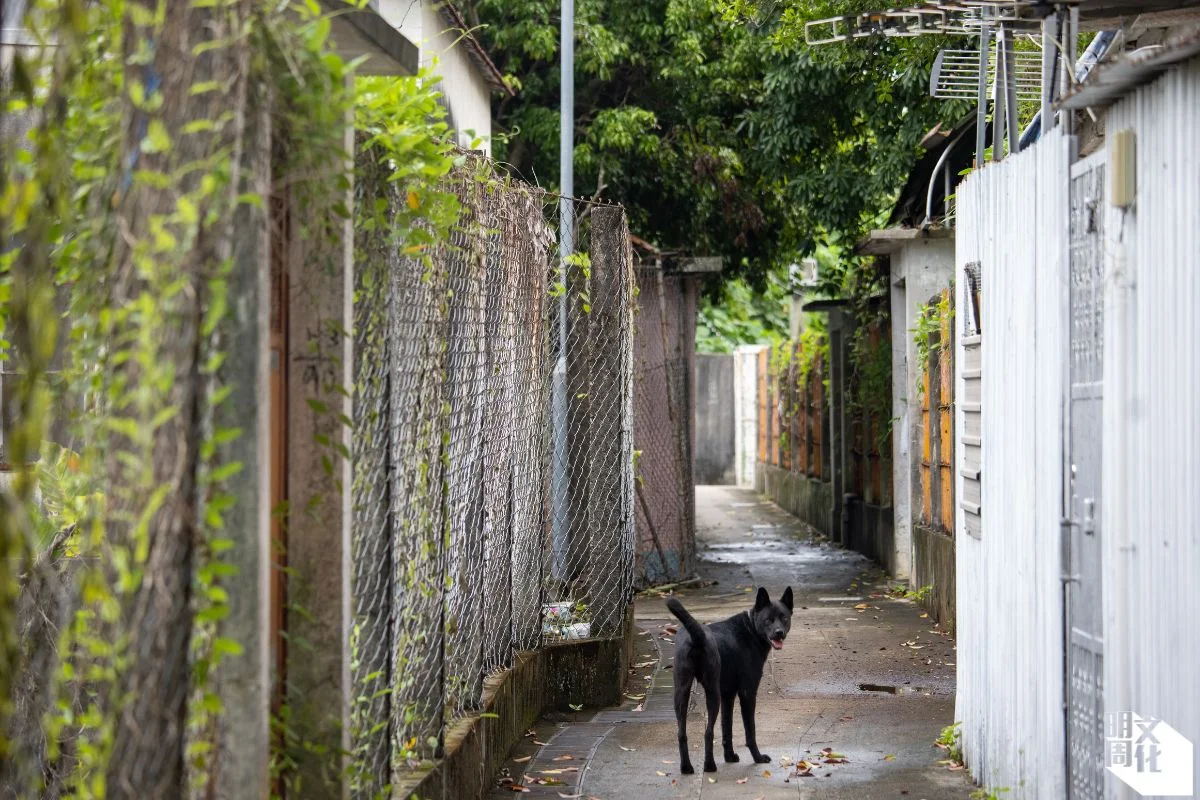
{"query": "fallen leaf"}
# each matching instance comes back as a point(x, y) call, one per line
point(863, 605)
point(712, 780)
point(766, 773)
point(627, 749)
point(539, 743)
point(660, 773)
point(516, 787)
point(564, 757)
point(522, 759)
point(742, 780)
point(636, 696)
point(639, 707)
point(569, 796)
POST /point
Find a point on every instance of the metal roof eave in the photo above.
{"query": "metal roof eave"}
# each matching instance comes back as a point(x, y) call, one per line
point(1110, 81)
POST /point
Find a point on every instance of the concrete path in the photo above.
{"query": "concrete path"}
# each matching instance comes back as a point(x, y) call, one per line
point(863, 677)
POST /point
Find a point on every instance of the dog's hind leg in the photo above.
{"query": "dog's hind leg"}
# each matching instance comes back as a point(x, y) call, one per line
point(683, 693)
point(748, 702)
point(713, 700)
point(727, 728)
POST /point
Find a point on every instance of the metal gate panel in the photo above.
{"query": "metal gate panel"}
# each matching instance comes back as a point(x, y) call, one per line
point(1082, 556)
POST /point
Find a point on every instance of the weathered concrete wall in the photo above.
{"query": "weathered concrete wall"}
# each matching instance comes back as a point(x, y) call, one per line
point(919, 269)
point(870, 531)
point(933, 566)
point(715, 456)
point(589, 673)
point(808, 498)
point(745, 404)
point(320, 295)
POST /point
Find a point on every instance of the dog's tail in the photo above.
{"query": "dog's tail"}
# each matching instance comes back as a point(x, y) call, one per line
point(689, 622)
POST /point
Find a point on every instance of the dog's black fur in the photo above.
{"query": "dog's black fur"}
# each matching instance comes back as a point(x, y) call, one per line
point(727, 659)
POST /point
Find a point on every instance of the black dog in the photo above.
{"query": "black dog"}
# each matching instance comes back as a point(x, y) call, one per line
point(727, 659)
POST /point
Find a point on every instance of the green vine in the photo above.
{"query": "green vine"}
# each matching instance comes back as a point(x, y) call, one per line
point(116, 222)
point(931, 330)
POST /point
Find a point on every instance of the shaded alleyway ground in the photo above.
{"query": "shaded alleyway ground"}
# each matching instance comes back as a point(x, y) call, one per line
point(862, 674)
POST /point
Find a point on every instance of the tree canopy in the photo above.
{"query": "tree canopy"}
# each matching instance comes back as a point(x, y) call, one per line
point(712, 121)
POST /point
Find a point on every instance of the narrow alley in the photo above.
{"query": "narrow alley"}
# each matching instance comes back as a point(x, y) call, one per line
point(863, 680)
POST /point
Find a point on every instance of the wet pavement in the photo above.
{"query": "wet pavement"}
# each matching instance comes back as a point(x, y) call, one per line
point(861, 689)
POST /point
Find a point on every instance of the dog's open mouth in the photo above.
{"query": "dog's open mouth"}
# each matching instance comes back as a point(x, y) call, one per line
point(777, 643)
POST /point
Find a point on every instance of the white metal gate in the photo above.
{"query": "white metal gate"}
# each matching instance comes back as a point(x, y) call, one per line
point(1081, 539)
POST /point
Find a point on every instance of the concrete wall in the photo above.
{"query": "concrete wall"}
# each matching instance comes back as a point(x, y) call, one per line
point(716, 420)
point(919, 269)
point(870, 530)
point(745, 405)
point(467, 95)
point(808, 498)
point(933, 566)
point(590, 673)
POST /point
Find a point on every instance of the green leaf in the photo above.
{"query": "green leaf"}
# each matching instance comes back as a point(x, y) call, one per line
point(157, 139)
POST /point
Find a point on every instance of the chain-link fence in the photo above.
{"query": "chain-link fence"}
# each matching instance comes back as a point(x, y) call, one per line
point(664, 497)
point(493, 459)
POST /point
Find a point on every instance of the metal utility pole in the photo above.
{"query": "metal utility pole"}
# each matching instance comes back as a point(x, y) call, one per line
point(560, 524)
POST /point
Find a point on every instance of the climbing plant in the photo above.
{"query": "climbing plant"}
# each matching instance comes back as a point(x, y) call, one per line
point(120, 213)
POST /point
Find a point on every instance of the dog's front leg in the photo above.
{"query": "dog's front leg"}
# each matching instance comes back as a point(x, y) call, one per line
point(748, 700)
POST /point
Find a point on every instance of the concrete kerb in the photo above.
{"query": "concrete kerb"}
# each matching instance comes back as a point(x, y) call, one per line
point(589, 672)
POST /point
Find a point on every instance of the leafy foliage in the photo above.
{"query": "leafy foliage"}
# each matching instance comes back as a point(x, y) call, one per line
point(712, 121)
point(116, 227)
point(738, 315)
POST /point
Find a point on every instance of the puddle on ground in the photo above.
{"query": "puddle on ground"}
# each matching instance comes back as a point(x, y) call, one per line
point(889, 689)
point(774, 550)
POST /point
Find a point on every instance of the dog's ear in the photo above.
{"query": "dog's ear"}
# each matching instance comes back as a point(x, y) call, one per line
point(787, 598)
point(762, 600)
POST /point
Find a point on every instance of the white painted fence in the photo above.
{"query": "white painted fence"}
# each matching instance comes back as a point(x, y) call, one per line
point(1012, 221)
point(1152, 413)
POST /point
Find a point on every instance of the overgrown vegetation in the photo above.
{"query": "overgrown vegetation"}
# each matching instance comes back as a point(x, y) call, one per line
point(950, 740)
point(698, 116)
point(933, 318)
point(119, 217)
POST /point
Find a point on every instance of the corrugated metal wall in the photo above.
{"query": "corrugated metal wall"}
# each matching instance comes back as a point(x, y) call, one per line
point(1013, 222)
point(1152, 413)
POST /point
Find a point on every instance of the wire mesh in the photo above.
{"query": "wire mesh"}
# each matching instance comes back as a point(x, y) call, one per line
point(664, 498)
point(589, 550)
point(371, 545)
point(454, 475)
point(467, 380)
